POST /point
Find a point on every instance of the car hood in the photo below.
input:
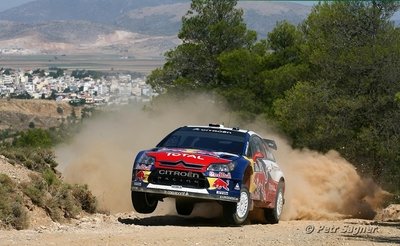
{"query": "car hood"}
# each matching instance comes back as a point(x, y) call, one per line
point(176, 158)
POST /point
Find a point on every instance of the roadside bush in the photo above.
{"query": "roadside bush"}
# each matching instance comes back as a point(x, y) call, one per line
point(19, 219)
point(35, 159)
point(65, 200)
point(12, 212)
point(86, 199)
point(51, 178)
point(38, 138)
point(59, 200)
point(36, 190)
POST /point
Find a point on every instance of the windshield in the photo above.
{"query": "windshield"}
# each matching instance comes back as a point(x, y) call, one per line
point(211, 139)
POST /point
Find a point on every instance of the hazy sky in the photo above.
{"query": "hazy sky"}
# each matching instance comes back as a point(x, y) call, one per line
point(7, 4)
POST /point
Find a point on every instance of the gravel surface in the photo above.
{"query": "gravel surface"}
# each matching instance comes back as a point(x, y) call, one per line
point(130, 229)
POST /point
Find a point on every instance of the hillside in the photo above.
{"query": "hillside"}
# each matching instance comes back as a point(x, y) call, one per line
point(148, 28)
point(102, 11)
point(18, 114)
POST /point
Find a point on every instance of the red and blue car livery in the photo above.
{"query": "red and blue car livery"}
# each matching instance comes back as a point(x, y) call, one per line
point(196, 163)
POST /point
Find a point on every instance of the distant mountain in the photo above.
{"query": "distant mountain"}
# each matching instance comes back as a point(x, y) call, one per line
point(77, 25)
point(4, 5)
point(56, 31)
point(102, 11)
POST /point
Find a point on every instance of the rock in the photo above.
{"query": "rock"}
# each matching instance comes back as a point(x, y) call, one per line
point(390, 213)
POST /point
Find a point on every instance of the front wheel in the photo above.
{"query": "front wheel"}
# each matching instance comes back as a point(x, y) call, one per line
point(272, 215)
point(143, 203)
point(237, 213)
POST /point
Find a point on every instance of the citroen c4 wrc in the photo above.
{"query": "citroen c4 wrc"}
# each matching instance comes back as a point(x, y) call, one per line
point(194, 164)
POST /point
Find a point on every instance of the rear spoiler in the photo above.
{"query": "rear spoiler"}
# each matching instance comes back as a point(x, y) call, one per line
point(271, 143)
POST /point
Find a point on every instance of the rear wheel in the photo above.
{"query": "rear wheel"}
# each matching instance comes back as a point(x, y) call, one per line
point(272, 215)
point(143, 202)
point(237, 213)
point(184, 207)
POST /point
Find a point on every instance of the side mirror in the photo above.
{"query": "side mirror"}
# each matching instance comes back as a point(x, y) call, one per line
point(271, 144)
point(258, 155)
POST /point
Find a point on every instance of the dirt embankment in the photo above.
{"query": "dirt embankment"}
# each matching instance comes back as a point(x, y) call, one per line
point(17, 114)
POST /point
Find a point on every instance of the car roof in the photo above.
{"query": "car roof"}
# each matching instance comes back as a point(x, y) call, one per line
point(222, 127)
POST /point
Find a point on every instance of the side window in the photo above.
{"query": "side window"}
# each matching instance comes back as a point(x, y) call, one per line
point(270, 155)
point(252, 148)
point(256, 145)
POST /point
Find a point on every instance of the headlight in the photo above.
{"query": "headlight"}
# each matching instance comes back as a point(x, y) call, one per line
point(146, 160)
point(221, 167)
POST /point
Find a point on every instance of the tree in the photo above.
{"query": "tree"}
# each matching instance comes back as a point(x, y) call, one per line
point(349, 101)
point(284, 40)
point(253, 78)
point(209, 28)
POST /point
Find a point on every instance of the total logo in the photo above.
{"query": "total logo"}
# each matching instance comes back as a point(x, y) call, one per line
point(197, 157)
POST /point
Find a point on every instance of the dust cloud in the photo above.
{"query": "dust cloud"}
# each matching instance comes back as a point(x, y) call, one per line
point(103, 153)
point(317, 186)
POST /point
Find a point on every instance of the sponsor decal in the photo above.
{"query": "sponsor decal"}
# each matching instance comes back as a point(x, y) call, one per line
point(237, 186)
point(197, 157)
point(260, 193)
point(144, 167)
point(179, 173)
point(225, 193)
point(228, 198)
point(142, 176)
point(271, 187)
point(176, 193)
point(220, 184)
point(220, 175)
point(212, 130)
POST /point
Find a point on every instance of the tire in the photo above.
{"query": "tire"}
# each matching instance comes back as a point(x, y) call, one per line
point(143, 203)
point(273, 215)
point(184, 207)
point(237, 213)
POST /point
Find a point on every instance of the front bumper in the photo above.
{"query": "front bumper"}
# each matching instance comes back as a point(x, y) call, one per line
point(171, 191)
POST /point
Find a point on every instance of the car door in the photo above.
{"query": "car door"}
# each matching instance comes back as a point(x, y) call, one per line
point(262, 166)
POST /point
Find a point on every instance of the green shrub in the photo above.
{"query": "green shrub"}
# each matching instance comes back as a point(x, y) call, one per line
point(45, 189)
point(35, 159)
point(51, 178)
point(59, 200)
point(53, 210)
point(19, 219)
point(85, 198)
point(36, 137)
point(12, 212)
point(66, 201)
point(36, 190)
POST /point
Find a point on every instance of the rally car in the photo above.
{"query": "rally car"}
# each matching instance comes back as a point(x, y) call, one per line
point(198, 163)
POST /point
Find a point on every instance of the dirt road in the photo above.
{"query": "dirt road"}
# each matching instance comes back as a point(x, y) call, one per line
point(130, 229)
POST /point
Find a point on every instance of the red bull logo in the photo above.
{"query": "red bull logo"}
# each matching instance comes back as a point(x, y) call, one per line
point(140, 176)
point(221, 184)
